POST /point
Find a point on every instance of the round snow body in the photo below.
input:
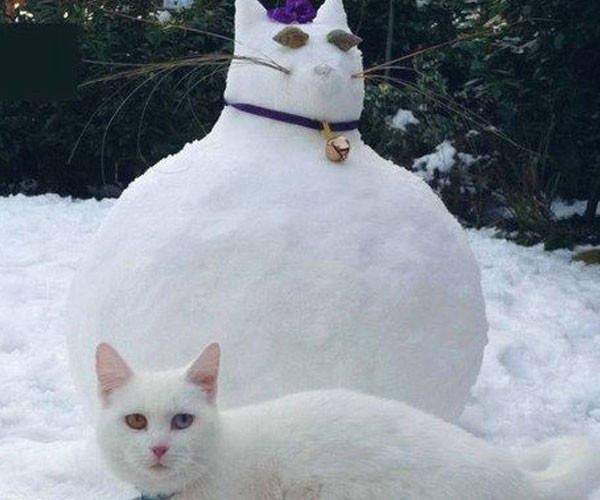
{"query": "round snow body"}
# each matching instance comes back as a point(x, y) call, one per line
point(310, 274)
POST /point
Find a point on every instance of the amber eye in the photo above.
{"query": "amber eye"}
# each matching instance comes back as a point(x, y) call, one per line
point(292, 37)
point(181, 421)
point(136, 421)
point(343, 40)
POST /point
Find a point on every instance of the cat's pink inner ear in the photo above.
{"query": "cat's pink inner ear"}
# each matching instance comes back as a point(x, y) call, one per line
point(204, 372)
point(112, 371)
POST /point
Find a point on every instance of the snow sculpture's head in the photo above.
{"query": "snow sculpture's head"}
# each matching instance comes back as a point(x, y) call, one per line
point(321, 57)
point(157, 430)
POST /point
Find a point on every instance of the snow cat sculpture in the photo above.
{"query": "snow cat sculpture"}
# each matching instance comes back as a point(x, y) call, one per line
point(285, 238)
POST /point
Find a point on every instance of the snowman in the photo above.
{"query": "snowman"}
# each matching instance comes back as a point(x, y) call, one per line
point(314, 262)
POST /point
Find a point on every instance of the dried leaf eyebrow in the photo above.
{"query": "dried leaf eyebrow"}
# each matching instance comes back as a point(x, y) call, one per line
point(343, 40)
point(292, 37)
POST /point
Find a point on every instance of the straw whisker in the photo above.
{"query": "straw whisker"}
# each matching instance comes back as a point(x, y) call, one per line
point(196, 83)
point(450, 106)
point(113, 117)
point(91, 118)
point(200, 60)
point(198, 31)
point(145, 108)
point(485, 32)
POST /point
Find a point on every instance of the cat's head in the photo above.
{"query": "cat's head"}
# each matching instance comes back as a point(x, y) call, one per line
point(157, 430)
point(321, 57)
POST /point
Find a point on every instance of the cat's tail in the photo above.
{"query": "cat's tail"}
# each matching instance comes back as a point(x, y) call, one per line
point(566, 468)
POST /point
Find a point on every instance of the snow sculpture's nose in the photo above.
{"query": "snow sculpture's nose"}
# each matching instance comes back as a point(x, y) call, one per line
point(159, 451)
point(323, 70)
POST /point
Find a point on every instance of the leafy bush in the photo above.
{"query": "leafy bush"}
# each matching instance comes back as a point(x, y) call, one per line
point(515, 93)
point(131, 123)
point(523, 75)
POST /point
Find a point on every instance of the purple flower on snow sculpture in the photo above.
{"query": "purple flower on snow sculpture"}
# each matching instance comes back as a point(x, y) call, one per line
point(295, 11)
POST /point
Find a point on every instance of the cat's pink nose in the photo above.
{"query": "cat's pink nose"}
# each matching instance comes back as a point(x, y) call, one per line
point(159, 451)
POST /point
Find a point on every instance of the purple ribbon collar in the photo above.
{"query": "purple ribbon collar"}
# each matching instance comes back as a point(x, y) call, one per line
point(292, 119)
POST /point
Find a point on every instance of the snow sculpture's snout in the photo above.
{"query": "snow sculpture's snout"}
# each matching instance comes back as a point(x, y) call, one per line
point(323, 70)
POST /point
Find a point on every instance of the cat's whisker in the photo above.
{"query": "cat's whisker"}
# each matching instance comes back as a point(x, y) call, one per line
point(267, 63)
point(198, 31)
point(448, 105)
point(485, 32)
point(223, 66)
point(461, 38)
point(150, 71)
point(91, 118)
point(113, 117)
point(202, 60)
point(198, 82)
point(362, 74)
point(143, 114)
point(451, 107)
point(167, 26)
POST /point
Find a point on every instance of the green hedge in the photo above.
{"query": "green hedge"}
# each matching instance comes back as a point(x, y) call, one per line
point(531, 71)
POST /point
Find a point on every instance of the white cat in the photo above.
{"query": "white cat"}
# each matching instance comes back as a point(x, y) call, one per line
point(289, 260)
point(163, 433)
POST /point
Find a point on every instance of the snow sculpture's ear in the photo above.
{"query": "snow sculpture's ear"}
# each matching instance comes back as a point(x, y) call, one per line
point(332, 12)
point(204, 372)
point(112, 371)
point(247, 13)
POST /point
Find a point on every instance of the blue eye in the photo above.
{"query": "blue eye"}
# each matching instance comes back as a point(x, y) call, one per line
point(181, 421)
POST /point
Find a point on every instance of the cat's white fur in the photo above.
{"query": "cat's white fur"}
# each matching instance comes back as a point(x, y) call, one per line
point(321, 445)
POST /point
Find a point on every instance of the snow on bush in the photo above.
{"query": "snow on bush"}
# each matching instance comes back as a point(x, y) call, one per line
point(403, 118)
point(440, 162)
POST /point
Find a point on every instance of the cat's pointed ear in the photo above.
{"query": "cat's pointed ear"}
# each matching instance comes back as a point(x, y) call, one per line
point(332, 12)
point(247, 13)
point(204, 372)
point(112, 371)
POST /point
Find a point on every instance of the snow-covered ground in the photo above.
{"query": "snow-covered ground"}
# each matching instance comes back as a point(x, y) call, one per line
point(541, 373)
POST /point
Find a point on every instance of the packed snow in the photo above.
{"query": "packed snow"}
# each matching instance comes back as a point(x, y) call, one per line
point(441, 161)
point(403, 118)
point(563, 209)
point(540, 375)
point(317, 272)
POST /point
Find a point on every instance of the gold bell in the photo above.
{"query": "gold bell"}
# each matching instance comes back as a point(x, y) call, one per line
point(337, 148)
